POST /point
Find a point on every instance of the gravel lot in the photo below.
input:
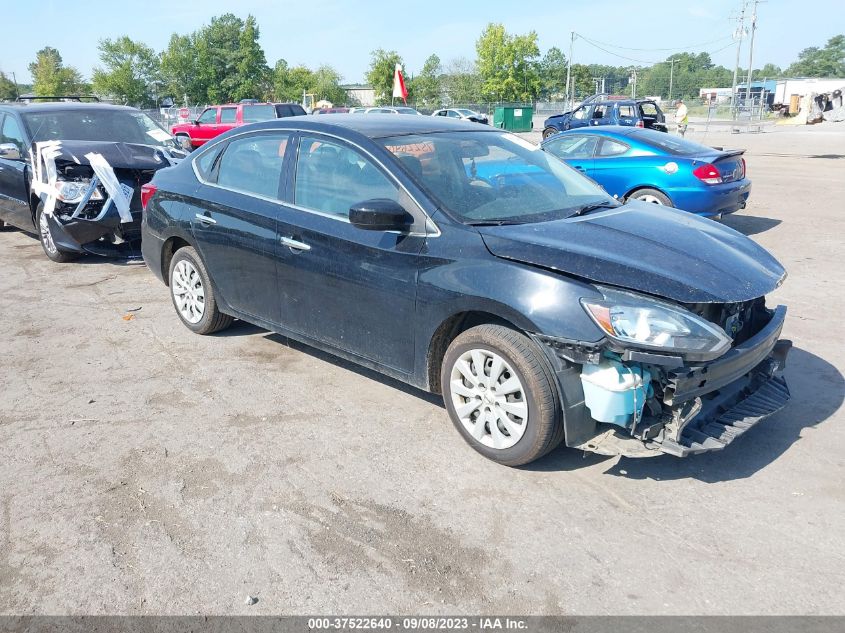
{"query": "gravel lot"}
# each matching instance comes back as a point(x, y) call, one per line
point(147, 470)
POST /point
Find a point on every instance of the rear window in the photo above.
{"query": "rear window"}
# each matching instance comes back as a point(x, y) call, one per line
point(289, 109)
point(670, 144)
point(255, 113)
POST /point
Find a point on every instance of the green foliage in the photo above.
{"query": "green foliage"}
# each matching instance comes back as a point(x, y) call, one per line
point(380, 74)
point(179, 70)
point(7, 87)
point(461, 82)
point(821, 62)
point(428, 86)
point(769, 71)
point(221, 62)
point(508, 64)
point(51, 77)
point(290, 83)
point(553, 73)
point(130, 74)
point(326, 86)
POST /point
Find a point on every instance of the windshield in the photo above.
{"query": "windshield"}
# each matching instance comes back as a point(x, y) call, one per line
point(113, 126)
point(466, 112)
point(670, 144)
point(494, 177)
point(406, 111)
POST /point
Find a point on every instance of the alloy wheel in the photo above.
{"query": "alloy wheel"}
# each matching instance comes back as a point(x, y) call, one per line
point(46, 235)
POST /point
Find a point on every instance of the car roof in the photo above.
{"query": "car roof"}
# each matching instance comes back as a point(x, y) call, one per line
point(606, 130)
point(374, 127)
point(57, 106)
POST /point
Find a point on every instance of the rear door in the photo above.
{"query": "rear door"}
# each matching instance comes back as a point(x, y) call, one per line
point(601, 114)
point(234, 221)
point(228, 119)
point(576, 149)
point(350, 288)
point(14, 193)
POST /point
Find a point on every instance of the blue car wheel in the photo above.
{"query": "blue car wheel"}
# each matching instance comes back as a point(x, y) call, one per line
point(651, 195)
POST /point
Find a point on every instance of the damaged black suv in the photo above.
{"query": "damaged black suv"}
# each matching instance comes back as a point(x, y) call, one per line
point(72, 172)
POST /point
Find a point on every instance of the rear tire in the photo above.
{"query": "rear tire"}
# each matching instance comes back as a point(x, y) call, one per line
point(549, 131)
point(45, 236)
point(501, 395)
point(193, 295)
point(651, 195)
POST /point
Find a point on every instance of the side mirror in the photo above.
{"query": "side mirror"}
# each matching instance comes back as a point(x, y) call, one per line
point(380, 214)
point(10, 151)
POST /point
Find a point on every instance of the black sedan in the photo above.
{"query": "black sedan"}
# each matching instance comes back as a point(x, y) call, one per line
point(543, 310)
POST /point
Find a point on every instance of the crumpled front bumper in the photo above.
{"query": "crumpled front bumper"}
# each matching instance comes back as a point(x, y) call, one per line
point(706, 407)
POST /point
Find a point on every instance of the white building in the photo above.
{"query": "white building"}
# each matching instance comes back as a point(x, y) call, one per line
point(801, 87)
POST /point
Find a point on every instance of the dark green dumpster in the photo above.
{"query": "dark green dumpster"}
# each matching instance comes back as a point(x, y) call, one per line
point(514, 118)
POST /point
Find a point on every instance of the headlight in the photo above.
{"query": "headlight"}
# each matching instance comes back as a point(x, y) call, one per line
point(72, 191)
point(642, 322)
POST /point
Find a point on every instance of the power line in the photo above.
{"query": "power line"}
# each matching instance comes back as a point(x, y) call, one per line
point(643, 61)
point(656, 50)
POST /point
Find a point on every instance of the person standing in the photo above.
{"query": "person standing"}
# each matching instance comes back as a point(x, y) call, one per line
point(681, 117)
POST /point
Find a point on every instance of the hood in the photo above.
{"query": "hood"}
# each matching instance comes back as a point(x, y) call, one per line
point(118, 155)
point(645, 247)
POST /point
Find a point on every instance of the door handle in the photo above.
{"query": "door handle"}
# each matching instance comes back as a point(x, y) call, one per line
point(294, 244)
point(205, 219)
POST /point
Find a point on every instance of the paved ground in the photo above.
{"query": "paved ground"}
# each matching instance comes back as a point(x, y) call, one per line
point(144, 469)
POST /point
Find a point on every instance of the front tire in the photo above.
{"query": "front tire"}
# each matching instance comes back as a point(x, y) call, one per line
point(549, 131)
point(193, 295)
point(651, 195)
point(501, 395)
point(45, 236)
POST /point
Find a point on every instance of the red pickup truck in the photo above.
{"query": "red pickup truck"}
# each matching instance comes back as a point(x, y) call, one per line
point(215, 120)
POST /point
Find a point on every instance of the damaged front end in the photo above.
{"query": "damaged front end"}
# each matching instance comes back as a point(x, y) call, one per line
point(90, 192)
point(669, 378)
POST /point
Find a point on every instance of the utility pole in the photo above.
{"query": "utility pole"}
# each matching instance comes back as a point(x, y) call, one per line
point(751, 52)
point(569, 71)
point(633, 81)
point(738, 35)
point(671, 76)
point(17, 91)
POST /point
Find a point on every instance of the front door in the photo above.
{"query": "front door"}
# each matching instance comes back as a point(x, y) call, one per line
point(341, 285)
point(576, 149)
point(14, 193)
point(580, 117)
point(235, 224)
point(206, 127)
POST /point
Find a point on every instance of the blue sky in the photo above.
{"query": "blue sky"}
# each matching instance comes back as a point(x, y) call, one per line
point(342, 34)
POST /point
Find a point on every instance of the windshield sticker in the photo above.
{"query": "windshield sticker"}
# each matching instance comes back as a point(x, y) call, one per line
point(521, 142)
point(159, 135)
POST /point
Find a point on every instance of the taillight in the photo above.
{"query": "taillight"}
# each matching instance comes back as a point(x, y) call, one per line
point(743, 167)
point(147, 192)
point(707, 173)
point(640, 124)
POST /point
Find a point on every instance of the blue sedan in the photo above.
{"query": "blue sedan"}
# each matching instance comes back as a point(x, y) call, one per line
point(641, 164)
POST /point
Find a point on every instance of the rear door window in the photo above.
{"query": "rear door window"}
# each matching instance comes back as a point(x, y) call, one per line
point(600, 111)
point(253, 164)
point(228, 115)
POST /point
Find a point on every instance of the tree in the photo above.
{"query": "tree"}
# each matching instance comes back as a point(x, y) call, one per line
point(217, 47)
point(508, 64)
point(380, 74)
point(130, 73)
point(7, 87)
point(51, 77)
point(769, 71)
point(553, 72)
point(428, 86)
point(180, 69)
point(461, 82)
point(326, 85)
point(252, 71)
point(821, 62)
point(290, 83)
